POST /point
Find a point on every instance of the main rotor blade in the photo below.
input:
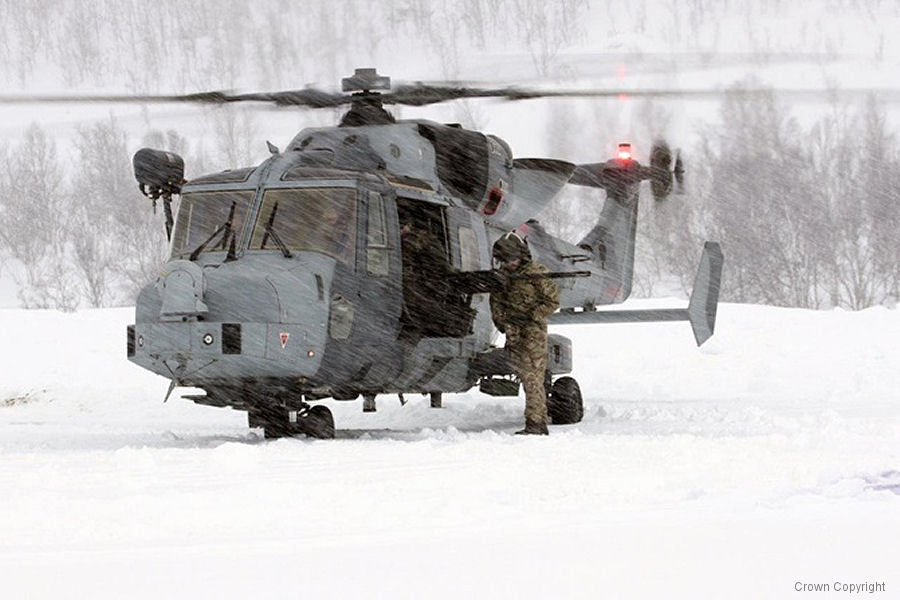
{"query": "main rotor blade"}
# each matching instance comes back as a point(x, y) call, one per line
point(306, 97)
point(421, 95)
point(215, 97)
point(309, 97)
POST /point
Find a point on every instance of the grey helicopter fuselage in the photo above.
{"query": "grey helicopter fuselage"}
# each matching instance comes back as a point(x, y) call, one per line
point(252, 323)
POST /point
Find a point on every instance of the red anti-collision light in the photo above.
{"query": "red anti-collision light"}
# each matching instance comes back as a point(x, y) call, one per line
point(495, 197)
point(624, 152)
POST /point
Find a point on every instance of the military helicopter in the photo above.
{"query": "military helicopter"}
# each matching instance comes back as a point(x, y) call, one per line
point(286, 286)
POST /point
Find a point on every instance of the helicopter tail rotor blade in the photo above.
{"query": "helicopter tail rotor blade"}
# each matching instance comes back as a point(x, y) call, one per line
point(660, 170)
point(705, 294)
point(678, 173)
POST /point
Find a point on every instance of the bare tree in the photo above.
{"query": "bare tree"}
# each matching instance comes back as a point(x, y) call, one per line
point(120, 242)
point(762, 204)
point(33, 214)
point(881, 178)
point(235, 133)
point(857, 164)
point(546, 27)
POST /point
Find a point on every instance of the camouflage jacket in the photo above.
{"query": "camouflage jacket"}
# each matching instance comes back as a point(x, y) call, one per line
point(525, 301)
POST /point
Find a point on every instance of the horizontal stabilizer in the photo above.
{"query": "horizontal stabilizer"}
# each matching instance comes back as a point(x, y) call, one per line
point(701, 310)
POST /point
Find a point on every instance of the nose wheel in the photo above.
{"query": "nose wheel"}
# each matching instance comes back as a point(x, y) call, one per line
point(318, 422)
point(312, 421)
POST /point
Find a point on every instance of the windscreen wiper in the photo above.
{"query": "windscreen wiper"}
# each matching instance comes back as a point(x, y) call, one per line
point(226, 227)
point(270, 231)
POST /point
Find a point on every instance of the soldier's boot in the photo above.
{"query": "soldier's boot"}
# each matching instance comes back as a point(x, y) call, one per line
point(533, 428)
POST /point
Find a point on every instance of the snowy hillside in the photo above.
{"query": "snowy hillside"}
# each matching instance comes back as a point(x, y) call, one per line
point(770, 456)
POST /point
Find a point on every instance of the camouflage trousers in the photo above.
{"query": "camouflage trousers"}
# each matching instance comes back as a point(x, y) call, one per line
point(527, 347)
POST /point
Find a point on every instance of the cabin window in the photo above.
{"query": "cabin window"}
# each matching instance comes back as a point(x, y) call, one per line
point(377, 256)
point(202, 213)
point(315, 219)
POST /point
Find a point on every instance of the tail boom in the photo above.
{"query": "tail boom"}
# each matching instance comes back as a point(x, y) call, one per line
point(701, 310)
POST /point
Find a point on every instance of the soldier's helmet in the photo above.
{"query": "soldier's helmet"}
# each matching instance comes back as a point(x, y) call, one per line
point(511, 247)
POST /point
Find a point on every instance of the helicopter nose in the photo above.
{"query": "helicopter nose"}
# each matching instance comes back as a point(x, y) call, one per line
point(181, 288)
point(243, 319)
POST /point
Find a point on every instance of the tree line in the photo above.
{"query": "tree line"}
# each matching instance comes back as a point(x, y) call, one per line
point(272, 44)
point(172, 45)
point(808, 215)
point(84, 235)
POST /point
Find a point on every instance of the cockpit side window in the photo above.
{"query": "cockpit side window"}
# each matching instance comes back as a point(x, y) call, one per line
point(316, 219)
point(201, 213)
point(377, 257)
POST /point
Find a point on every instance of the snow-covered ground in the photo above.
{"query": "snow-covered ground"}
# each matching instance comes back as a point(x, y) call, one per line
point(767, 458)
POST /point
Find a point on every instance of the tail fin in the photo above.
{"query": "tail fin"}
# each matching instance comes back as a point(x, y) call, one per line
point(613, 237)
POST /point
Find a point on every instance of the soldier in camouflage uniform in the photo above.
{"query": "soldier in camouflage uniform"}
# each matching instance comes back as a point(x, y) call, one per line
point(521, 311)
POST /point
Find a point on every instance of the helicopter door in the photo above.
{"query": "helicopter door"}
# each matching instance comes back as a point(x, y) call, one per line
point(380, 264)
point(423, 250)
point(468, 252)
point(468, 240)
point(374, 294)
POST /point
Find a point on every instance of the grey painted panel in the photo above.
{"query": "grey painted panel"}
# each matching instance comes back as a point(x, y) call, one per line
point(400, 147)
point(170, 344)
point(228, 176)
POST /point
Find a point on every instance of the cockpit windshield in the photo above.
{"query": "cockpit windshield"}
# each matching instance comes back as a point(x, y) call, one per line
point(318, 219)
point(201, 213)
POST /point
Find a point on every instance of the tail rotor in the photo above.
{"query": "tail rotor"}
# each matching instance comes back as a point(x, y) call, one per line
point(666, 168)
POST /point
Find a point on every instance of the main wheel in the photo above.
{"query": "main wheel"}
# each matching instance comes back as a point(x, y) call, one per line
point(317, 423)
point(564, 404)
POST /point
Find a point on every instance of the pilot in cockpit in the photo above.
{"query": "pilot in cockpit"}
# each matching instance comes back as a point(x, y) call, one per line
point(332, 230)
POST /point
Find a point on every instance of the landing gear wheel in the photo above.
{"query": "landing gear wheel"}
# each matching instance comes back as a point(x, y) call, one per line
point(564, 404)
point(317, 423)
